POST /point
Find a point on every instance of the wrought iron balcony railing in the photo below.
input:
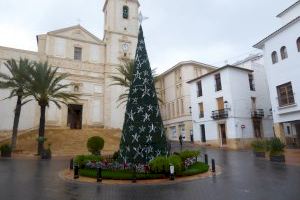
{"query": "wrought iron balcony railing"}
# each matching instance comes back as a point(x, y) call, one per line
point(257, 113)
point(219, 114)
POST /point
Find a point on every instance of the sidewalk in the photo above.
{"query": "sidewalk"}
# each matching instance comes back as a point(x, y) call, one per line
point(292, 157)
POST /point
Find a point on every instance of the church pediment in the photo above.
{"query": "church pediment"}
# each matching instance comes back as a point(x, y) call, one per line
point(76, 33)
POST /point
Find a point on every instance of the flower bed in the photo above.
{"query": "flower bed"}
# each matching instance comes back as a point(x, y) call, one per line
point(184, 163)
point(127, 174)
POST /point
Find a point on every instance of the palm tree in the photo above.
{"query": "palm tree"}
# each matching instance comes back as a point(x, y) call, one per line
point(15, 83)
point(45, 85)
point(124, 79)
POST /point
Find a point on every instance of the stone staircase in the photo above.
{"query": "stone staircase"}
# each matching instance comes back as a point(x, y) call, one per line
point(66, 142)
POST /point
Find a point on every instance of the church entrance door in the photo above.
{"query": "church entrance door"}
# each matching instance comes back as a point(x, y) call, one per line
point(74, 116)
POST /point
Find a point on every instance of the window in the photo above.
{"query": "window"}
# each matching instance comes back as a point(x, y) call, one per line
point(251, 82)
point(274, 57)
point(201, 110)
point(285, 94)
point(125, 12)
point(218, 82)
point(173, 110)
point(199, 85)
point(178, 75)
point(179, 91)
point(77, 53)
point(298, 44)
point(253, 102)
point(283, 52)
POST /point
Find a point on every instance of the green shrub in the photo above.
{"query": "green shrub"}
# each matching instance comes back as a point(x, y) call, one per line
point(5, 148)
point(95, 145)
point(189, 154)
point(82, 160)
point(159, 164)
point(196, 168)
point(177, 162)
point(276, 146)
point(259, 146)
point(119, 175)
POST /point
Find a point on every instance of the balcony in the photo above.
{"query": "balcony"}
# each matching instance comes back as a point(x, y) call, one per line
point(220, 114)
point(258, 113)
point(201, 115)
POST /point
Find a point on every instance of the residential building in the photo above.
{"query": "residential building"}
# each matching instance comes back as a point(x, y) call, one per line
point(90, 61)
point(174, 92)
point(233, 106)
point(281, 51)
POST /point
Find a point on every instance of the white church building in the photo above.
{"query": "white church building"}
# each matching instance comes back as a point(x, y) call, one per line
point(90, 61)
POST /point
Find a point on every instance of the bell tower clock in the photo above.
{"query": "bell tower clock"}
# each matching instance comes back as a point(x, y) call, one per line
point(120, 36)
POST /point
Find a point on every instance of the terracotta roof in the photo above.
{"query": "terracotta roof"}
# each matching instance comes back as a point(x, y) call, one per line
point(260, 44)
point(219, 69)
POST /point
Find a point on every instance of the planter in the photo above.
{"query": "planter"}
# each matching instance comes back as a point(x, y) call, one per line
point(6, 154)
point(277, 158)
point(260, 154)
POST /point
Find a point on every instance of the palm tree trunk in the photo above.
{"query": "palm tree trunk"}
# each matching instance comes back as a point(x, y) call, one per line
point(16, 123)
point(41, 138)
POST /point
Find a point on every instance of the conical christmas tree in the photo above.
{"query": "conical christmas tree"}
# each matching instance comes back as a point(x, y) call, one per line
point(143, 136)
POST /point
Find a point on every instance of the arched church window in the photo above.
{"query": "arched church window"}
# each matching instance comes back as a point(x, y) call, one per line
point(274, 57)
point(298, 44)
point(125, 12)
point(283, 52)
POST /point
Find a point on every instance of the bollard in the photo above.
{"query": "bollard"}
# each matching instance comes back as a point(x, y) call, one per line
point(71, 164)
point(99, 174)
point(206, 159)
point(172, 173)
point(213, 165)
point(76, 172)
point(134, 175)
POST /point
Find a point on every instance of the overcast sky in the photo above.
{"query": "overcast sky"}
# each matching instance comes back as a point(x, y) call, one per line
point(208, 31)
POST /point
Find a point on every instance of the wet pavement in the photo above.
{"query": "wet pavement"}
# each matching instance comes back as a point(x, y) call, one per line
point(244, 177)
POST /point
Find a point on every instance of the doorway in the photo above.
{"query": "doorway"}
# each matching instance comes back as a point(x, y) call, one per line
point(297, 126)
point(203, 136)
point(220, 103)
point(257, 126)
point(223, 134)
point(74, 116)
point(182, 131)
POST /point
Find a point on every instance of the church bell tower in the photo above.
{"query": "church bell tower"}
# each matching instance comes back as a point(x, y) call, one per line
point(120, 36)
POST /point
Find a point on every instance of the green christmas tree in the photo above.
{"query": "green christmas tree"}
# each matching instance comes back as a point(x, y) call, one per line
point(143, 136)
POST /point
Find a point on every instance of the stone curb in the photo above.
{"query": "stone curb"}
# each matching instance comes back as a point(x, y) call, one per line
point(67, 175)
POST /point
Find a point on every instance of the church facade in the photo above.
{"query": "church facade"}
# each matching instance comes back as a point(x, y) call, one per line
point(90, 62)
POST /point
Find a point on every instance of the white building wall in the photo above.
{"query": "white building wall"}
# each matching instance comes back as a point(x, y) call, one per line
point(290, 15)
point(284, 71)
point(236, 91)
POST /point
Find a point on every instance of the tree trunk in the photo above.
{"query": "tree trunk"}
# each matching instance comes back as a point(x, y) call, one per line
point(41, 138)
point(16, 123)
